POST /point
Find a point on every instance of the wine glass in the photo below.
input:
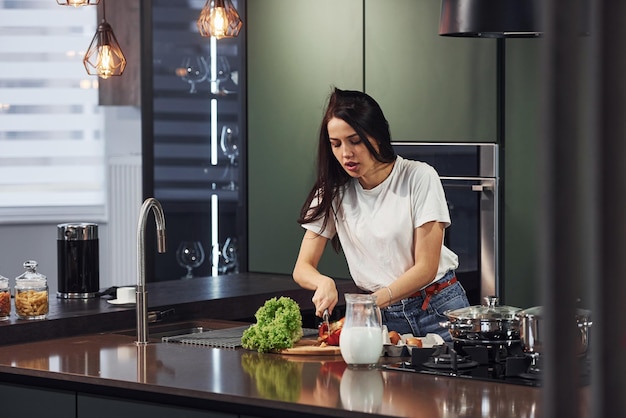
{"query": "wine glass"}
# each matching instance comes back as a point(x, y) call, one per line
point(229, 254)
point(190, 255)
point(222, 73)
point(223, 69)
point(225, 258)
point(194, 69)
point(230, 148)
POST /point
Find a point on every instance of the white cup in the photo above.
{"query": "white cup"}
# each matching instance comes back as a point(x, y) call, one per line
point(126, 295)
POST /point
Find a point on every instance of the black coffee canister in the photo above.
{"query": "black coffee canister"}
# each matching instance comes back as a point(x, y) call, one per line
point(78, 261)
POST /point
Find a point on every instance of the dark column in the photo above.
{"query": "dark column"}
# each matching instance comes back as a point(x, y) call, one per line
point(609, 327)
point(562, 258)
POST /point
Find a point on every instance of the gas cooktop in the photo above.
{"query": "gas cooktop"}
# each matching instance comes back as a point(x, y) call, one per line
point(503, 363)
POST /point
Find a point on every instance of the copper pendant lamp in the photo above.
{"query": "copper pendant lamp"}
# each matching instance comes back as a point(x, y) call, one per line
point(490, 18)
point(77, 3)
point(219, 19)
point(104, 56)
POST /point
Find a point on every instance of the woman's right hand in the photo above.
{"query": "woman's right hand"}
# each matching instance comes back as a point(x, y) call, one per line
point(325, 296)
point(305, 273)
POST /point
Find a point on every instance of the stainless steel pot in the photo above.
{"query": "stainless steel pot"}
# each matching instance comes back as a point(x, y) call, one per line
point(486, 324)
point(532, 329)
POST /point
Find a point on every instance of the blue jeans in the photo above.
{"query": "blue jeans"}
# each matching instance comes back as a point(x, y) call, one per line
point(407, 315)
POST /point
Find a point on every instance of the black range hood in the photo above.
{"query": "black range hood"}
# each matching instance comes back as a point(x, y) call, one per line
point(490, 18)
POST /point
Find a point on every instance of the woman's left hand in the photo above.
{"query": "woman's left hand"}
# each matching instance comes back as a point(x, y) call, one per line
point(382, 297)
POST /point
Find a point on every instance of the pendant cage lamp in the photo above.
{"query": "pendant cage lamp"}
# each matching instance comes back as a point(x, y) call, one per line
point(490, 18)
point(78, 3)
point(104, 57)
point(219, 19)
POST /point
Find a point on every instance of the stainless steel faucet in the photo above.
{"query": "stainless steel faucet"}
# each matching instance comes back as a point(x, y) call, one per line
point(150, 204)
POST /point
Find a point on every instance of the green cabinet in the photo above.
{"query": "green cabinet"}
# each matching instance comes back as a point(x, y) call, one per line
point(297, 50)
point(431, 88)
point(522, 192)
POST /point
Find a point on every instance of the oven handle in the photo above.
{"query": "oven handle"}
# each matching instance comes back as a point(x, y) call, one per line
point(482, 188)
point(487, 186)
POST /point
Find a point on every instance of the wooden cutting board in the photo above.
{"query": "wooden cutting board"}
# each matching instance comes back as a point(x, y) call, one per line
point(306, 347)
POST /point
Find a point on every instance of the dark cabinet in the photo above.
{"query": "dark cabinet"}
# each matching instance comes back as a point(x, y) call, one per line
point(91, 406)
point(194, 138)
point(24, 401)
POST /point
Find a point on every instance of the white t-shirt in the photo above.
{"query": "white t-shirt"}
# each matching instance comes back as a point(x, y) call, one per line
point(376, 226)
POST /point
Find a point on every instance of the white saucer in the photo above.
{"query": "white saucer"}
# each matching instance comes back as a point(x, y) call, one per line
point(120, 302)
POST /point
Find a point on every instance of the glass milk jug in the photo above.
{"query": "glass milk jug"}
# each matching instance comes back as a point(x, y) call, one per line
point(361, 341)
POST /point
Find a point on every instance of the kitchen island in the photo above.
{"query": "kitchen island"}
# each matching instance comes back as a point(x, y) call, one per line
point(102, 372)
point(109, 375)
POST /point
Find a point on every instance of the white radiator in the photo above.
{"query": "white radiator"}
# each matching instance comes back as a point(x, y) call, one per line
point(125, 198)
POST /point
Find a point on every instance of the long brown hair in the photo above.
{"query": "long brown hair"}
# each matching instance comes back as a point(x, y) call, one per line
point(364, 115)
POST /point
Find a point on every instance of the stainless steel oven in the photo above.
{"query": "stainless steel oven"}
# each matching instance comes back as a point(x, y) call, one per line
point(469, 174)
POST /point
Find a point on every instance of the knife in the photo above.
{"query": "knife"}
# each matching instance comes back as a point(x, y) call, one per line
point(326, 318)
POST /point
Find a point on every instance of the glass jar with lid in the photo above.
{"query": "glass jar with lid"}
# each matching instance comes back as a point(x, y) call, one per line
point(5, 299)
point(31, 293)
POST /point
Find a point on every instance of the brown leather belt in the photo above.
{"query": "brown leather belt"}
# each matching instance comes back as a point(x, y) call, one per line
point(433, 289)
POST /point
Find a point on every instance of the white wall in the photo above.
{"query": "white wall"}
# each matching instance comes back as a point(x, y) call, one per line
point(21, 242)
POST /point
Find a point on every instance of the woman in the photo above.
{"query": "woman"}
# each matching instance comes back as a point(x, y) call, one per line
point(388, 215)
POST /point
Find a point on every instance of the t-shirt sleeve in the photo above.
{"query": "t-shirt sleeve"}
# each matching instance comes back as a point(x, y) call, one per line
point(328, 231)
point(429, 200)
point(316, 226)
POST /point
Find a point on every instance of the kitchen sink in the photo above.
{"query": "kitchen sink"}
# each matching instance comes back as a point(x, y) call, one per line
point(200, 333)
point(158, 331)
point(194, 333)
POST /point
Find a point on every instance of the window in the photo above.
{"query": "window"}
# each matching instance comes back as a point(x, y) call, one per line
point(52, 154)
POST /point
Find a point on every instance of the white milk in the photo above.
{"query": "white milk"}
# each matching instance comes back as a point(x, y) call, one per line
point(362, 390)
point(361, 345)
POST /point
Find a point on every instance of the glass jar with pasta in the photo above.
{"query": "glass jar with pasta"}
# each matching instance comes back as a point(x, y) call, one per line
point(5, 299)
point(31, 293)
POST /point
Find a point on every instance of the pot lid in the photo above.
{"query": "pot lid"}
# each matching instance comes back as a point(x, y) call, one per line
point(537, 312)
point(534, 312)
point(491, 310)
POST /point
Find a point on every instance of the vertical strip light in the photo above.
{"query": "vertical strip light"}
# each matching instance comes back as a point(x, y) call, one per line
point(215, 250)
point(213, 65)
